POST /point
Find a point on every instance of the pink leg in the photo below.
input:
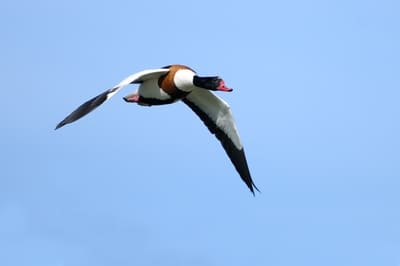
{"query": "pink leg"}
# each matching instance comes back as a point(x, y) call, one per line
point(132, 98)
point(135, 98)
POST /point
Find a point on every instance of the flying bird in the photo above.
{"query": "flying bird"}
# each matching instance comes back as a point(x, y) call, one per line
point(178, 82)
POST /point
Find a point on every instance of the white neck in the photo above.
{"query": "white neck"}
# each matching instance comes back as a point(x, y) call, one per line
point(183, 79)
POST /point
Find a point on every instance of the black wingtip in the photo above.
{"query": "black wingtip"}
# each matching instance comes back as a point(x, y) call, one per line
point(69, 119)
point(61, 124)
point(85, 108)
point(252, 188)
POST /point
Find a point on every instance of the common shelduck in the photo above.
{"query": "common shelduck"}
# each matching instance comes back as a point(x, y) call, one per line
point(178, 82)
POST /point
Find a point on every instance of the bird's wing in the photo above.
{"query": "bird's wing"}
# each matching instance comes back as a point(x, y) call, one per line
point(217, 116)
point(96, 101)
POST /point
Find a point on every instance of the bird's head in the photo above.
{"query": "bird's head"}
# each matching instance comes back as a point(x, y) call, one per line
point(211, 83)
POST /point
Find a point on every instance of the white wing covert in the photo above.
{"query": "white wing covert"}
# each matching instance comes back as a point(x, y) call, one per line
point(217, 116)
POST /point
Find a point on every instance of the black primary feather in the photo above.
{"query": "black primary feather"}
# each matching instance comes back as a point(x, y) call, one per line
point(85, 108)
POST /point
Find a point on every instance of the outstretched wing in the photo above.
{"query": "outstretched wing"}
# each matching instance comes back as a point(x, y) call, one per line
point(217, 116)
point(96, 101)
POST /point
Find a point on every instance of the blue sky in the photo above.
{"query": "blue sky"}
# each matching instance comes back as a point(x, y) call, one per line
point(316, 100)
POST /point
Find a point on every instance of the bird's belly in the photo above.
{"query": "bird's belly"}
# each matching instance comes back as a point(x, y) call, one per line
point(150, 89)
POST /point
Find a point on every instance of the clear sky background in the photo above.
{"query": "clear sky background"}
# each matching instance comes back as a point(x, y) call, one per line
point(316, 100)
